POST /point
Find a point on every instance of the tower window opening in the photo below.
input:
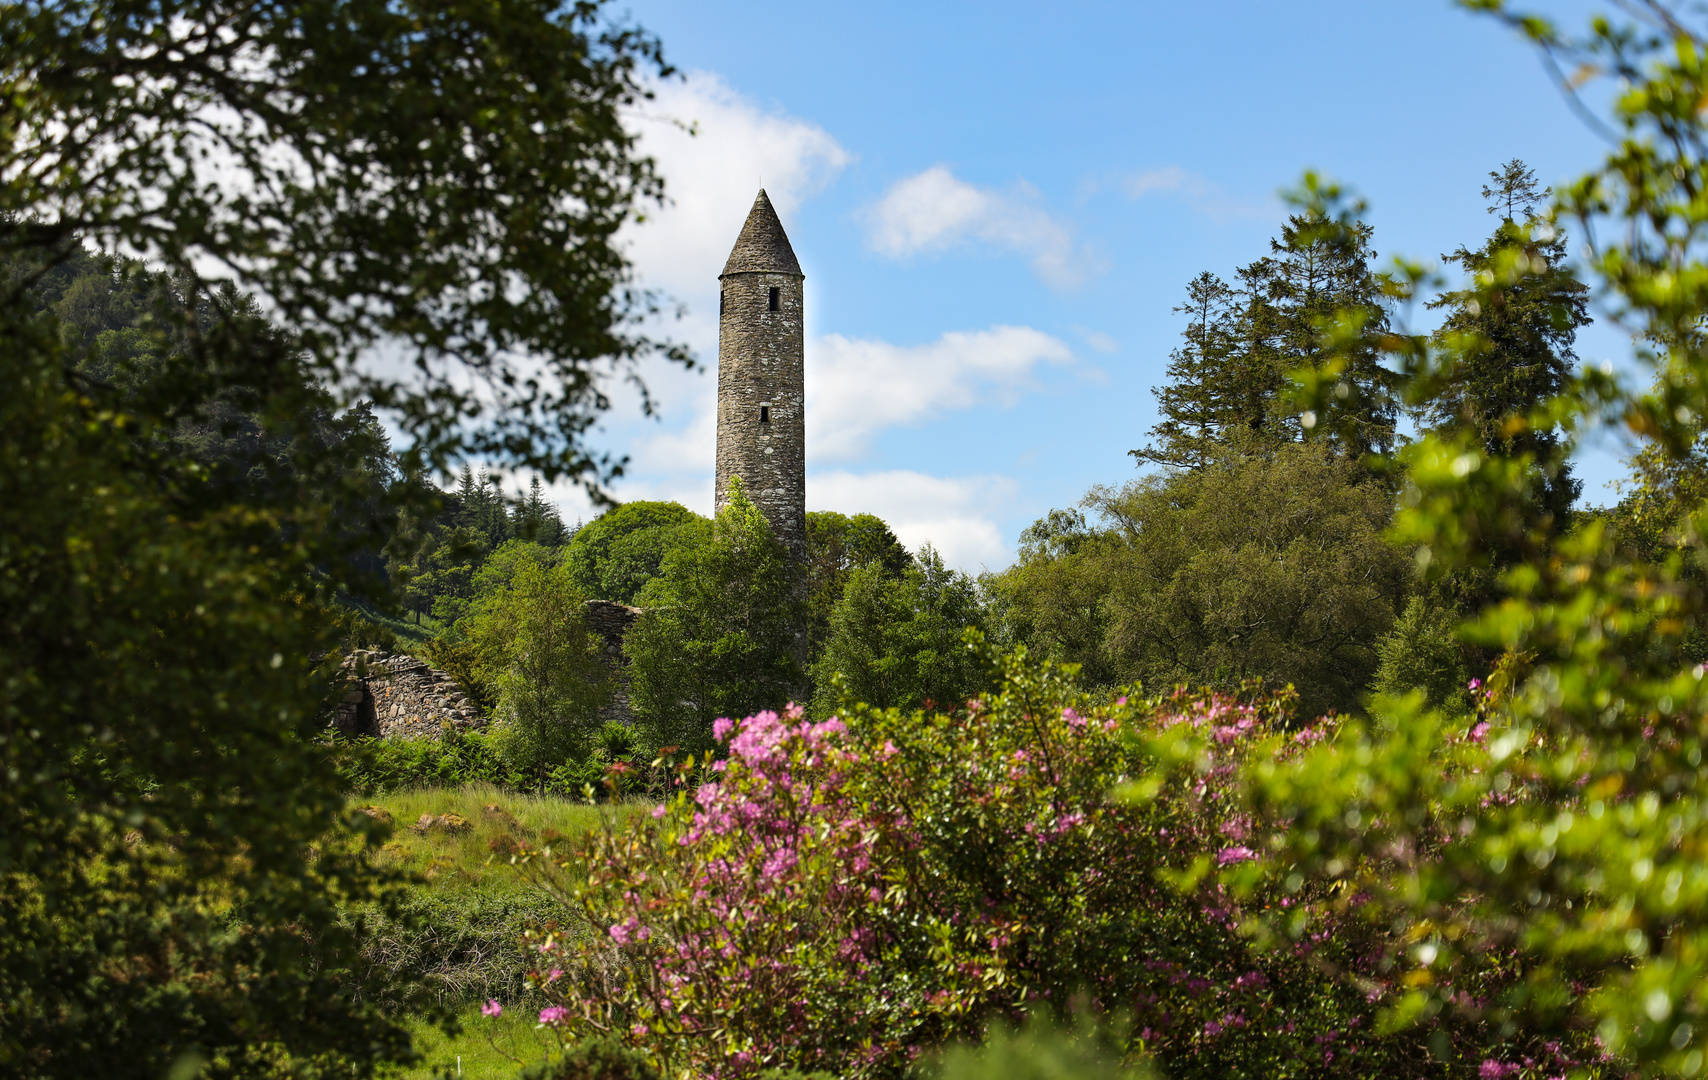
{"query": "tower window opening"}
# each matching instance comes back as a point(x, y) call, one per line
point(764, 414)
point(776, 296)
point(720, 303)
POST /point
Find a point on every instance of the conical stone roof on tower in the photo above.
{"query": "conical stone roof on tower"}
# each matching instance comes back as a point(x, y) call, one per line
point(761, 376)
point(763, 246)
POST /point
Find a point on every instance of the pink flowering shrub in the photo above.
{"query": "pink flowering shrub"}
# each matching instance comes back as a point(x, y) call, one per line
point(839, 896)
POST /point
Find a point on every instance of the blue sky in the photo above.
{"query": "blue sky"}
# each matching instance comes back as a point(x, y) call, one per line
point(997, 206)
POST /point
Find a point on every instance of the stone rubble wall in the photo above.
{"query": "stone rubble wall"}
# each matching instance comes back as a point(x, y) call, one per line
point(400, 697)
point(611, 621)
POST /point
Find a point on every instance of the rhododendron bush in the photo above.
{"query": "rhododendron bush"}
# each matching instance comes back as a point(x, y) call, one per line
point(841, 895)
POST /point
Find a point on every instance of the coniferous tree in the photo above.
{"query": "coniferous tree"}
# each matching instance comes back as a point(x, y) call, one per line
point(1214, 393)
point(536, 519)
point(1227, 383)
point(1512, 348)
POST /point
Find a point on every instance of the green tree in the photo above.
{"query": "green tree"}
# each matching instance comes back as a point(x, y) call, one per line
point(1423, 652)
point(720, 631)
point(1510, 347)
point(836, 545)
point(1268, 567)
point(448, 179)
point(1228, 383)
point(533, 518)
point(613, 556)
point(896, 640)
point(529, 627)
point(1055, 598)
point(1218, 393)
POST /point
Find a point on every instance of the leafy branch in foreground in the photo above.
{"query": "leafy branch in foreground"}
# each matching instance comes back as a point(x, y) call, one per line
point(440, 180)
point(1565, 825)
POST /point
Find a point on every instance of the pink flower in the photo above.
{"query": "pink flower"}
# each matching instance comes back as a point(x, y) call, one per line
point(554, 1014)
point(1480, 732)
point(640, 1031)
point(491, 1008)
point(1234, 855)
point(631, 930)
point(1491, 1069)
point(658, 811)
point(722, 727)
point(556, 974)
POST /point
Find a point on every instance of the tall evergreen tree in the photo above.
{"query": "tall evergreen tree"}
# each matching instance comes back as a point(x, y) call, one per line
point(1226, 382)
point(1214, 392)
point(537, 519)
point(1511, 347)
point(1319, 272)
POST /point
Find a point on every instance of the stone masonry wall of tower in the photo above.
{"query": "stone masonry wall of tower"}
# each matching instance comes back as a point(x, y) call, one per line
point(761, 377)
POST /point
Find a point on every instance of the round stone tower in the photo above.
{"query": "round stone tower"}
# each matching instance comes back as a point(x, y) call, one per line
point(761, 377)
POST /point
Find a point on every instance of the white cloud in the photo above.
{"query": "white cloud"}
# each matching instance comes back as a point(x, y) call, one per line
point(1098, 340)
point(712, 174)
point(856, 388)
point(933, 211)
point(1202, 195)
point(957, 516)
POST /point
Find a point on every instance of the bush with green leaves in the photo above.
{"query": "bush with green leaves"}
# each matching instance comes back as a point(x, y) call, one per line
point(377, 766)
point(845, 895)
point(721, 633)
point(895, 638)
point(545, 665)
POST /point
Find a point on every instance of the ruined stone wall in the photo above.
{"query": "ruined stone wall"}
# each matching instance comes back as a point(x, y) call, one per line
point(400, 697)
point(611, 621)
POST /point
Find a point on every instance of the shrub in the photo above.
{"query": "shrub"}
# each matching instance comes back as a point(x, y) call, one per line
point(544, 663)
point(597, 1059)
point(843, 894)
point(376, 766)
point(895, 638)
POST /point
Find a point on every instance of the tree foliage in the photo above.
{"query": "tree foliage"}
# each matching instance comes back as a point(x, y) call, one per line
point(183, 503)
point(837, 545)
point(541, 660)
point(613, 556)
point(895, 641)
point(1228, 381)
point(1271, 568)
point(1511, 344)
point(720, 633)
point(443, 178)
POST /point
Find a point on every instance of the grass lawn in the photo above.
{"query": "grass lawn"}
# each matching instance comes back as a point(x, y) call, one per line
point(478, 906)
point(465, 860)
point(488, 1048)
